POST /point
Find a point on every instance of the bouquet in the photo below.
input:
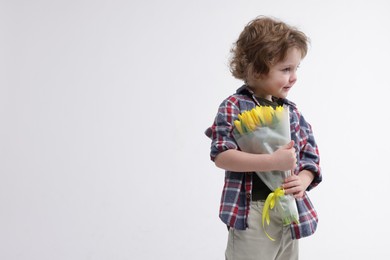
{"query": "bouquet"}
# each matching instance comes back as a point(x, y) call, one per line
point(263, 130)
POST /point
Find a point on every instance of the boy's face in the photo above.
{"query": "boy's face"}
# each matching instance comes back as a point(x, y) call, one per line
point(281, 77)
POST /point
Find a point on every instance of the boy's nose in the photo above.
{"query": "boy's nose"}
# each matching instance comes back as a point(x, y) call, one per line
point(293, 77)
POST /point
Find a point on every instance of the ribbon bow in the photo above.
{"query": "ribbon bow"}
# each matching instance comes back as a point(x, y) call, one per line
point(270, 203)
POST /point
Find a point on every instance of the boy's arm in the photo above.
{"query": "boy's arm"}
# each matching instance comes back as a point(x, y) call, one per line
point(308, 171)
point(282, 159)
point(309, 161)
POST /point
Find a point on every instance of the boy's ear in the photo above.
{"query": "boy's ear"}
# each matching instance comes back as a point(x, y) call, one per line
point(252, 74)
point(257, 75)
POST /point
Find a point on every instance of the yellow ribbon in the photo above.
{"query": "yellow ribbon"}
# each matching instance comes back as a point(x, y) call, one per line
point(270, 203)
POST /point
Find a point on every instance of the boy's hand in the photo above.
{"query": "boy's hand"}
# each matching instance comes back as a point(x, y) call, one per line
point(285, 157)
point(297, 184)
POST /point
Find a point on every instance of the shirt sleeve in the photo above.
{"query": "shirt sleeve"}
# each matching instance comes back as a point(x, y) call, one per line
point(221, 132)
point(309, 158)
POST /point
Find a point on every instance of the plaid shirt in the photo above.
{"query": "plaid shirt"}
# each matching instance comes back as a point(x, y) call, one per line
point(236, 194)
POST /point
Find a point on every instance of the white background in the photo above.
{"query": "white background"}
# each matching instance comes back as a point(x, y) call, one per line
point(103, 107)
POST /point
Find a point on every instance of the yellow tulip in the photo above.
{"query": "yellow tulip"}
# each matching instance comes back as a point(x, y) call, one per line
point(237, 124)
point(240, 117)
point(248, 121)
point(255, 117)
point(260, 112)
point(268, 115)
point(279, 109)
point(279, 112)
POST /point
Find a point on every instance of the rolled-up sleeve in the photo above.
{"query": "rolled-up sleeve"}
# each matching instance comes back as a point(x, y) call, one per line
point(221, 132)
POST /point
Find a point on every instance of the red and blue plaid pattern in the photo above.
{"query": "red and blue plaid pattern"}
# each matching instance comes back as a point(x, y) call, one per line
point(236, 194)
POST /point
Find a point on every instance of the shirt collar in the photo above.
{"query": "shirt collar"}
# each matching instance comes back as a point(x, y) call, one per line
point(245, 90)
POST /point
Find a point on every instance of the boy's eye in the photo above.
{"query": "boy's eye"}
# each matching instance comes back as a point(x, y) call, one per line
point(288, 69)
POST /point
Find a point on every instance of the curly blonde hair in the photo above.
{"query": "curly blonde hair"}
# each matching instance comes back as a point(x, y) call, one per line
point(263, 43)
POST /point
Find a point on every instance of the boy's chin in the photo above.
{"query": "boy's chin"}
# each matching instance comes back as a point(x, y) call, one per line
point(282, 96)
point(284, 93)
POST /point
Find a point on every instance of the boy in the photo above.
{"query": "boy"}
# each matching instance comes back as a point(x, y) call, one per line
point(266, 57)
